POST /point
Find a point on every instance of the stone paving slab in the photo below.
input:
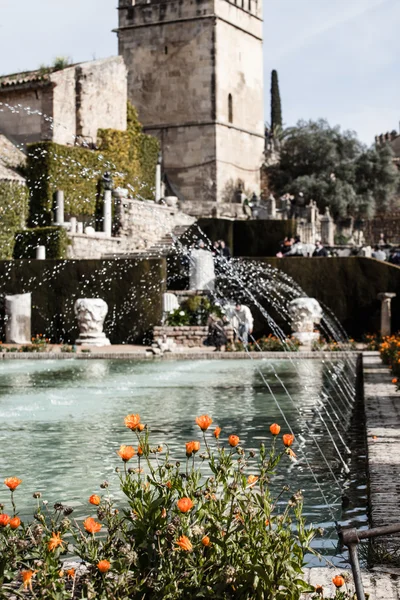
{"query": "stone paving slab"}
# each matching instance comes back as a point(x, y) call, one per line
point(379, 585)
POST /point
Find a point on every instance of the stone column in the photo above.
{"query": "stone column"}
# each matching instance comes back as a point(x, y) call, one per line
point(18, 319)
point(41, 253)
point(73, 225)
point(272, 207)
point(327, 229)
point(158, 183)
point(59, 207)
point(107, 213)
point(201, 271)
point(386, 313)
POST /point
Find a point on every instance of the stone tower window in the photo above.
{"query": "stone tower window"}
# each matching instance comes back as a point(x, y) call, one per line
point(230, 108)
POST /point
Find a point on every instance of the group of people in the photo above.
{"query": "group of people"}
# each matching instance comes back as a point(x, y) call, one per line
point(294, 247)
point(240, 319)
point(219, 248)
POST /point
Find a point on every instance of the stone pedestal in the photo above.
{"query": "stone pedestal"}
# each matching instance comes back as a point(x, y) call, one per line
point(90, 313)
point(59, 207)
point(41, 253)
point(386, 313)
point(305, 313)
point(202, 273)
point(73, 224)
point(327, 229)
point(158, 183)
point(18, 319)
point(107, 213)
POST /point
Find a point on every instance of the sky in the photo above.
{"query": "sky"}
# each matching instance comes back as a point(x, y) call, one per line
point(336, 59)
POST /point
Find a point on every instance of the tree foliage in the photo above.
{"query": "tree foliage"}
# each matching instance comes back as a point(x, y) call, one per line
point(276, 107)
point(336, 170)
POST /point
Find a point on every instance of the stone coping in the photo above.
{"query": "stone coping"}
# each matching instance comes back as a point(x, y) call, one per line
point(146, 354)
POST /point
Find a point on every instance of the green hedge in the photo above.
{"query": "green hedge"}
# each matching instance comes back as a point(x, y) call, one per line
point(13, 214)
point(130, 156)
point(55, 240)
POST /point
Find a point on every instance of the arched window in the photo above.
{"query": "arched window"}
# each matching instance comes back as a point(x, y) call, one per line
point(230, 108)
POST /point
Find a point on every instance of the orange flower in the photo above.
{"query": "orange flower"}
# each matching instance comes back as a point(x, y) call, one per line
point(196, 447)
point(140, 426)
point(189, 449)
point(126, 453)
point(338, 581)
point(70, 573)
point(103, 566)
point(394, 380)
point(27, 578)
point(91, 525)
point(206, 541)
point(288, 439)
point(233, 440)
point(15, 522)
point(275, 429)
point(140, 450)
point(266, 522)
point(185, 504)
point(54, 541)
point(251, 480)
point(217, 432)
point(169, 485)
point(184, 543)
point(4, 520)
point(95, 499)
point(132, 421)
point(12, 483)
point(204, 422)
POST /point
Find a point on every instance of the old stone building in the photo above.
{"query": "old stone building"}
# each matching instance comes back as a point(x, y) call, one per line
point(195, 74)
point(66, 106)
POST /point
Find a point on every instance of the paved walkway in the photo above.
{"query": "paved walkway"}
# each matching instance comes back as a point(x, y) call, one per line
point(379, 585)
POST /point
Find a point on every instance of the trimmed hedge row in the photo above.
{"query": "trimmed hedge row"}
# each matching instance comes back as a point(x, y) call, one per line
point(55, 239)
point(13, 214)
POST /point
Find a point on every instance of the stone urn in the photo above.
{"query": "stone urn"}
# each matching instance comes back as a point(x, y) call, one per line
point(90, 314)
point(305, 313)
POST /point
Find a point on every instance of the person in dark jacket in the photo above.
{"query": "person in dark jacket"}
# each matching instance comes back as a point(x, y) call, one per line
point(319, 249)
point(216, 333)
point(224, 250)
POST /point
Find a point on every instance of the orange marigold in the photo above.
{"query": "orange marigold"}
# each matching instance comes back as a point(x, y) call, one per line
point(233, 440)
point(189, 449)
point(12, 483)
point(206, 541)
point(126, 453)
point(91, 525)
point(103, 566)
point(252, 479)
point(288, 439)
point(204, 422)
point(70, 573)
point(338, 581)
point(95, 499)
point(4, 520)
point(54, 541)
point(185, 504)
point(184, 543)
point(275, 429)
point(27, 578)
point(394, 380)
point(15, 522)
point(140, 426)
point(196, 447)
point(140, 451)
point(217, 432)
point(132, 421)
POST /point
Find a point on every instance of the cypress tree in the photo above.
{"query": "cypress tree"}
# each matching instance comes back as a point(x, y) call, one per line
point(276, 108)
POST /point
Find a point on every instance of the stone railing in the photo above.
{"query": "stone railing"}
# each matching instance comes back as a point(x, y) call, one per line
point(189, 336)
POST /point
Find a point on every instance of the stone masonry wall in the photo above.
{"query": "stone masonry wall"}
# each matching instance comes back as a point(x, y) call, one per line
point(143, 224)
point(188, 336)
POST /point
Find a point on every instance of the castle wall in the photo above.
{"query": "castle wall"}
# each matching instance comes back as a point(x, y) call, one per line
point(64, 103)
point(20, 125)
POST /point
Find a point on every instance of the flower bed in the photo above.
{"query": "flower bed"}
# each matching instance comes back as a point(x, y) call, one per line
point(178, 534)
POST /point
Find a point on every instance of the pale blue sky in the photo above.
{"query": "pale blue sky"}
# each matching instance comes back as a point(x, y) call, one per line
point(337, 59)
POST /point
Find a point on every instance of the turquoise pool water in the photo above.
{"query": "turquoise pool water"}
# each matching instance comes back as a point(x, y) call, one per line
point(61, 423)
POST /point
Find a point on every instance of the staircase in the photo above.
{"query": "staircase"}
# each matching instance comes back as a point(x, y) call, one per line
point(166, 245)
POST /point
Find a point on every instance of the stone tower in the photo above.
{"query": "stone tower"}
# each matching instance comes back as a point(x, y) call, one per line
point(195, 74)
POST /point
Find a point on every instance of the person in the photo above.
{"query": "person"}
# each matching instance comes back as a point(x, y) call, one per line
point(216, 249)
point(224, 250)
point(242, 322)
point(296, 248)
point(378, 253)
point(216, 333)
point(320, 250)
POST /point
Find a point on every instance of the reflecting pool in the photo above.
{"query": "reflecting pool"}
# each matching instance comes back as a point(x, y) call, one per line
point(61, 423)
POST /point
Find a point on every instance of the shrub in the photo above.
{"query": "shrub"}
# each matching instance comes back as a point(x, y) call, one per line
point(180, 534)
point(194, 311)
point(55, 239)
point(13, 214)
point(268, 343)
